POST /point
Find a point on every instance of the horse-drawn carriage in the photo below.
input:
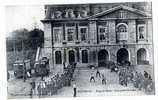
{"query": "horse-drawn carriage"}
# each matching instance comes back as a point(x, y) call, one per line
point(23, 68)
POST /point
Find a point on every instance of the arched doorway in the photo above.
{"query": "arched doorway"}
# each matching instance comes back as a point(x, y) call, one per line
point(84, 56)
point(122, 55)
point(58, 58)
point(141, 56)
point(103, 58)
point(71, 56)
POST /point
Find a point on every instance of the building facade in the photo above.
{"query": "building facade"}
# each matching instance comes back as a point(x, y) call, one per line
point(92, 33)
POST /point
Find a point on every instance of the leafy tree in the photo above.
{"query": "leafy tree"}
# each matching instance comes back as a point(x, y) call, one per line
point(22, 39)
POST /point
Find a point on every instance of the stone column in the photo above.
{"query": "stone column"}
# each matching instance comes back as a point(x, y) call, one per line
point(62, 57)
point(96, 58)
point(133, 55)
point(132, 31)
point(65, 60)
point(64, 32)
point(112, 33)
point(77, 32)
point(90, 58)
point(80, 54)
point(93, 32)
point(149, 30)
point(150, 54)
point(113, 53)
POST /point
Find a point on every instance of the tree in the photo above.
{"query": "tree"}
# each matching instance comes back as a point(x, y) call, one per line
point(19, 34)
point(24, 39)
point(36, 36)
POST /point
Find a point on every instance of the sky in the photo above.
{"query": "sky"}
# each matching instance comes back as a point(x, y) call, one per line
point(23, 16)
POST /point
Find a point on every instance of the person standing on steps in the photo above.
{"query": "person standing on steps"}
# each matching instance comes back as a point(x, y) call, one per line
point(75, 90)
point(39, 89)
point(98, 73)
point(33, 86)
point(92, 77)
point(104, 79)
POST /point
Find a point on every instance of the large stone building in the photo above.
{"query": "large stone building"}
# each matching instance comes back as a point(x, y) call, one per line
point(92, 33)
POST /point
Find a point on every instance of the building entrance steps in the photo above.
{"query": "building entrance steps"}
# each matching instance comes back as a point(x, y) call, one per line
point(87, 88)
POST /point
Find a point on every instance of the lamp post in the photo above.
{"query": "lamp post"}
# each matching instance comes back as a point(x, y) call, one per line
point(24, 71)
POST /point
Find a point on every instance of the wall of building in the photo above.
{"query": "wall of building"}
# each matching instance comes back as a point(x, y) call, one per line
point(132, 45)
point(47, 51)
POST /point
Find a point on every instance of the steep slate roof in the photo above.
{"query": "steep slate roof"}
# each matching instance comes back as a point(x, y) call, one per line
point(136, 11)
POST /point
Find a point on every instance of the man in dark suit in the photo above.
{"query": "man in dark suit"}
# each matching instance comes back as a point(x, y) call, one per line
point(98, 73)
point(75, 89)
point(92, 77)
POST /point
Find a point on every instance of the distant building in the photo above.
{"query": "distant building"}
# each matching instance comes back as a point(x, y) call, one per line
point(96, 33)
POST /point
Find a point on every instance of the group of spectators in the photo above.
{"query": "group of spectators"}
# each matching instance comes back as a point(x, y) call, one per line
point(142, 81)
point(127, 75)
point(51, 84)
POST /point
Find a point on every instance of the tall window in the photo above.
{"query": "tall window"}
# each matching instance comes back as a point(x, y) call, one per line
point(58, 57)
point(142, 57)
point(70, 34)
point(141, 32)
point(84, 56)
point(103, 33)
point(122, 32)
point(83, 33)
point(57, 31)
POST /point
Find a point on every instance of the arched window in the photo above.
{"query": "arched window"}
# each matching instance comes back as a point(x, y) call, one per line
point(71, 56)
point(142, 57)
point(122, 28)
point(58, 57)
point(122, 32)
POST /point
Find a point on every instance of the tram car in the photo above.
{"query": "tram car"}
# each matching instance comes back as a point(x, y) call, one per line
point(21, 68)
point(42, 67)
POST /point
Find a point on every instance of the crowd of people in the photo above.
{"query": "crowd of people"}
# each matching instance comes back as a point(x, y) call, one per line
point(51, 84)
point(142, 81)
point(127, 75)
